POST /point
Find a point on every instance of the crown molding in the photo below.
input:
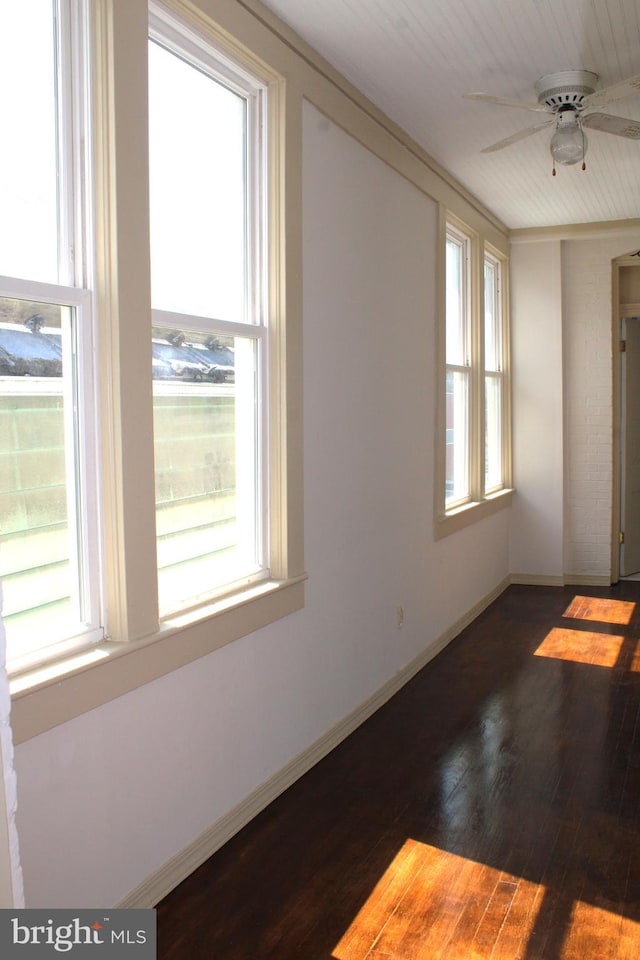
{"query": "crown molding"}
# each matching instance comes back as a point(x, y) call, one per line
point(602, 230)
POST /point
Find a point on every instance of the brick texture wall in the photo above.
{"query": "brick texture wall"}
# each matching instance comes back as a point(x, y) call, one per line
point(586, 280)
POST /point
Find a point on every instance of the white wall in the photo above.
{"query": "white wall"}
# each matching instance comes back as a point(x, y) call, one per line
point(106, 799)
point(563, 403)
point(587, 279)
point(536, 545)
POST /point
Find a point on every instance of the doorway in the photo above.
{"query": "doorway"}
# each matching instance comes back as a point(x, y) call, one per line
point(626, 533)
point(629, 537)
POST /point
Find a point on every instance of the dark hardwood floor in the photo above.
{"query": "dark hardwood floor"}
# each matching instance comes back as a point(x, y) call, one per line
point(490, 810)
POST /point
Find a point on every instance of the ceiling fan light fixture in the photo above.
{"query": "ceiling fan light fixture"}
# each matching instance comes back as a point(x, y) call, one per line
point(568, 143)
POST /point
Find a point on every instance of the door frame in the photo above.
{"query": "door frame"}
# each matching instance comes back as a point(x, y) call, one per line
point(618, 311)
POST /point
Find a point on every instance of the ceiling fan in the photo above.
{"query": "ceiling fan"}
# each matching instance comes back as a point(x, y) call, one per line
point(570, 97)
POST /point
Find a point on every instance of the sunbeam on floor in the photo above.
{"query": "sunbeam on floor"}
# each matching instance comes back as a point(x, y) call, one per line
point(431, 905)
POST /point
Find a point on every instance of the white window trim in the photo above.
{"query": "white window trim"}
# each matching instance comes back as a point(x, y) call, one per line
point(478, 504)
point(502, 375)
point(140, 648)
point(467, 367)
point(176, 35)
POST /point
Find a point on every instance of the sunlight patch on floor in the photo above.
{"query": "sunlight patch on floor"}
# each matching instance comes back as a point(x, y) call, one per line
point(431, 904)
point(580, 646)
point(593, 931)
point(596, 608)
point(430, 901)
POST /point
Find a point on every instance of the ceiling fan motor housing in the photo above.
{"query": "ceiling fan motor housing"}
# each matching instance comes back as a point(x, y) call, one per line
point(567, 88)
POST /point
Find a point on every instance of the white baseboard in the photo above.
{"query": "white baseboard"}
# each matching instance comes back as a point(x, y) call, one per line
point(586, 580)
point(568, 580)
point(174, 871)
point(536, 580)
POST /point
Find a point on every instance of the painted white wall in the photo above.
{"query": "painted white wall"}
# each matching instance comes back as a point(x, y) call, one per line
point(536, 543)
point(587, 296)
point(563, 404)
point(106, 799)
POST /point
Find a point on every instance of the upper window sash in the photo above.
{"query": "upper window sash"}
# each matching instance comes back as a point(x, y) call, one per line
point(43, 47)
point(493, 320)
point(199, 52)
point(458, 315)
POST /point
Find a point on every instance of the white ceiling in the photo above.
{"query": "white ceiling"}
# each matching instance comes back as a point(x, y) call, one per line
point(415, 58)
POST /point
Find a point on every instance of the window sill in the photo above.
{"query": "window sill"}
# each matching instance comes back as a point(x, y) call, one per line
point(470, 513)
point(52, 694)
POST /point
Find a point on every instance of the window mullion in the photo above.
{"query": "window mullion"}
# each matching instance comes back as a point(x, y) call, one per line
point(123, 296)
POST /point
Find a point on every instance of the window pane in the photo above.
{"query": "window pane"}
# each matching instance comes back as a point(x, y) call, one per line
point(493, 433)
point(197, 133)
point(492, 358)
point(207, 469)
point(28, 158)
point(456, 303)
point(39, 552)
point(457, 434)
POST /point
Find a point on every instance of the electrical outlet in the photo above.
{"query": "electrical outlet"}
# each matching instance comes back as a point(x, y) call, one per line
point(399, 617)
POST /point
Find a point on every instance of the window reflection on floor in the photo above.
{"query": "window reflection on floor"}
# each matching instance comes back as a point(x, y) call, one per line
point(433, 904)
point(603, 610)
point(580, 646)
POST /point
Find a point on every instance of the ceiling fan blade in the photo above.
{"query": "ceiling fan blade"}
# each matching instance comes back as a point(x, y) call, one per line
point(617, 91)
point(520, 135)
point(607, 123)
point(505, 102)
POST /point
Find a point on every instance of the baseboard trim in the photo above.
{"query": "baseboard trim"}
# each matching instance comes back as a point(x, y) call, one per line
point(586, 580)
point(567, 580)
point(158, 884)
point(536, 580)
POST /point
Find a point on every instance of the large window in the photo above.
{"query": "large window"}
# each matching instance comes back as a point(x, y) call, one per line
point(150, 443)
point(475, 421)
point(459, 368)
point(210, 320)
point(49, 554)
point(494, 375)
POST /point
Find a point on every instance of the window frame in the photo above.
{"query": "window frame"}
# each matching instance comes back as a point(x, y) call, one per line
point(139, 647)
point(464, 367)
point(175, 37)
point(499, 373)
point(479, 502)
point(73, 289)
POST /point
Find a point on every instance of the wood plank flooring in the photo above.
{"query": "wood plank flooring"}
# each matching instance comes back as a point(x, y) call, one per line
point(490, 811)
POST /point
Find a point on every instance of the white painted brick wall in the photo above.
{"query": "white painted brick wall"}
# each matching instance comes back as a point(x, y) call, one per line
point(586, 279)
